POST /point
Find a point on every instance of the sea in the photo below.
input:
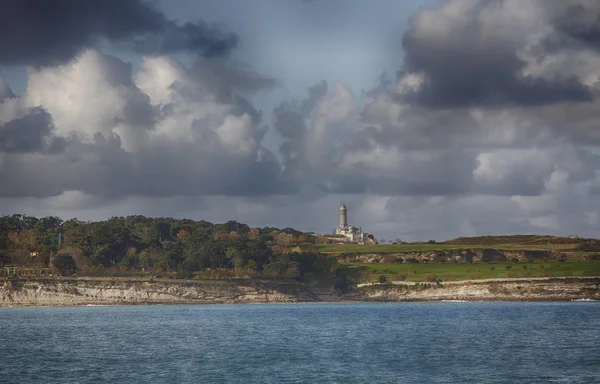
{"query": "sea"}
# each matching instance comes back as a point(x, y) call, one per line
point(441, 342)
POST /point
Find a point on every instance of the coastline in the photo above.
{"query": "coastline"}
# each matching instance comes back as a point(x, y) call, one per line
point(50, 292)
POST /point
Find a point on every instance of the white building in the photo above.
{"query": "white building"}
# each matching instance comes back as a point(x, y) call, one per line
point(353, 234)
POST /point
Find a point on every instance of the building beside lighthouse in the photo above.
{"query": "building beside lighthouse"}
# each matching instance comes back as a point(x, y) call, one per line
point(351, 233)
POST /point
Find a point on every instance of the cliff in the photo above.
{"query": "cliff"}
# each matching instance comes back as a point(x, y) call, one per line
point(87, 291)
point(538, 289)
point(459, 255)
point(83, 291)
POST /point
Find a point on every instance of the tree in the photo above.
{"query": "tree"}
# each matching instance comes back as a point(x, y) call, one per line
point(254, 233)
point(235, 257)
point(182, 234)
point(251, 265)
point(64, 263)
point(285, 239)
point(23, 240)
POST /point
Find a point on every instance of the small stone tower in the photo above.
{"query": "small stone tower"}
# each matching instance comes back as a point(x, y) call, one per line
point(343, 216)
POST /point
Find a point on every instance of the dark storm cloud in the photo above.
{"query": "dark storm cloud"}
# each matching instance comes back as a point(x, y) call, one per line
point(315, 93)
point(5, 91)
point(160, 169)
point(393, 186)
point(426, 173)
point(580, 21)
point(229, 81)
point(226, 77)
point(290, 116)
point(472, 64)
point(290, 122)
point(49, 32)
point(31, 133)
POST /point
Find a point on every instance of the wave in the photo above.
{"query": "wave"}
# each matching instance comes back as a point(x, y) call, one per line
point(584, 300)
point(454, 301)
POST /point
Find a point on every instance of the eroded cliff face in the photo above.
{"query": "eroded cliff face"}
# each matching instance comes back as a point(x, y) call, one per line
point(66, 292)
point(51, 292)
point(459, 255)
point(543, 289)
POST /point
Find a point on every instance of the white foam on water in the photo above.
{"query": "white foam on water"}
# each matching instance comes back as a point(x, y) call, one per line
point(455, 301)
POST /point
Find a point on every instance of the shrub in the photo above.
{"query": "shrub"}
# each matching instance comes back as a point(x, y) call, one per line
point(508, 267)
point(448, 277)
point(412, 260)
point(588, 247)
point(389, 259)
point(64, 263)
point(515, 260)
point(402, 277)
point(383, 279)
point(431, 278)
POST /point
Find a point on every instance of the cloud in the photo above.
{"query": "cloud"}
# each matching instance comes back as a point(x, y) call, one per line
point(578, 20)
point(225, 77)
point(5, 91)
point(94, 93)
point(491, 126)
point(40, 32)
point(30, 133)
point(467, 53)
point(159, 132)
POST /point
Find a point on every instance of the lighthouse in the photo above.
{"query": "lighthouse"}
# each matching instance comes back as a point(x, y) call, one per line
point(350, 233)
point(343, 216)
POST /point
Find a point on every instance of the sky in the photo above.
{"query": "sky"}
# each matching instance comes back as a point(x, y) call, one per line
point(431, 119)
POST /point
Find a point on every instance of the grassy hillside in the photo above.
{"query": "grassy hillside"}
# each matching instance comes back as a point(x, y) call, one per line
point(466, 271)
point(513, 242)
point(540, 240)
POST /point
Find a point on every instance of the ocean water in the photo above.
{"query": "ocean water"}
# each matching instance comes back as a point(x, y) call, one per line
point(303, 343)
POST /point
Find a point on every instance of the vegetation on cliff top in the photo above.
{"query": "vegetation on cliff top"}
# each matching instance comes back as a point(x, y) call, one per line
point(183, 248)
point(511, 242)
point(137, 244)
point(428, 272)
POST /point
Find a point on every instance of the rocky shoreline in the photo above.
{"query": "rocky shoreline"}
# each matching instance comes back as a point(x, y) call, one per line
point(103, 291)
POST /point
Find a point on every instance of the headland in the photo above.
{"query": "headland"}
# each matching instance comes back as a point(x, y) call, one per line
point(140, 260)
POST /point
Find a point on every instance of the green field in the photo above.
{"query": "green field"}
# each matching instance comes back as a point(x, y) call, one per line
point(509, 242)
point(371, 272)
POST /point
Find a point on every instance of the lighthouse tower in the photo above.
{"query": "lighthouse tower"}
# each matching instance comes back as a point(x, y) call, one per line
point(343, 216)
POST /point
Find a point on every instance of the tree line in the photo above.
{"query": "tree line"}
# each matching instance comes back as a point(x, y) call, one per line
point(166, 245)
